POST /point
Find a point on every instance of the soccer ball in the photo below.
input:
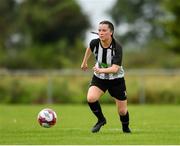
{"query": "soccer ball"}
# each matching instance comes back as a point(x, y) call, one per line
point(47, 118)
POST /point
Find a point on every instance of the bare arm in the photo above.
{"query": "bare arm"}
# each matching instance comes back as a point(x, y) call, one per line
point(84, 65)
point(113, 69)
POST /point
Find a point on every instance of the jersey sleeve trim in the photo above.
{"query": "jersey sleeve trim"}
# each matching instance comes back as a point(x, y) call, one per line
point(117, 58)
point(93, 44)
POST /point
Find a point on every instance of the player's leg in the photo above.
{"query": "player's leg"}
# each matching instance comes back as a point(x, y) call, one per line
point(123, 114)
point(93, 95)
point(118, 91)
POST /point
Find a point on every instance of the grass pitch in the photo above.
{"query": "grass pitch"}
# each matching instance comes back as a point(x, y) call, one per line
point(150, 124)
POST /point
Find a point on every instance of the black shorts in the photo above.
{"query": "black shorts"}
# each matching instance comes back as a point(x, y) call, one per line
point(116, 87)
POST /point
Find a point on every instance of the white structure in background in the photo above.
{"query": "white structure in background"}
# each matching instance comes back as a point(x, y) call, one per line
point(96, 11)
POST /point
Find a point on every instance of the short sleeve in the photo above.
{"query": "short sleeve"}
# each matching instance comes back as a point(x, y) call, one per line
point(117, 58)
point(93, 43)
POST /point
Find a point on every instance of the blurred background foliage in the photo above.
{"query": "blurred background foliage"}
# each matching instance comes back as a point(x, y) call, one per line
point(50, 34)
point(41, 34)
point(150, 29)
point(42, 89)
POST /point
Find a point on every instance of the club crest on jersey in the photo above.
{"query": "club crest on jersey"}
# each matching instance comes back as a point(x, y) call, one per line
point(103, 65)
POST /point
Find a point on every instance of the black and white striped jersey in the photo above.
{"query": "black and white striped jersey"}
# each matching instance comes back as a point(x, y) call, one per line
point(105, 57)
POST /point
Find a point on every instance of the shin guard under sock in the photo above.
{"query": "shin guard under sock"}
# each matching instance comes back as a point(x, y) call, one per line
point(96, 109)
point(125, 120)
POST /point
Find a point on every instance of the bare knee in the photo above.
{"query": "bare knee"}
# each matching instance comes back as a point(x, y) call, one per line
point(122, 111)
point(122, 107)
point(94, 93)
point(91, 99)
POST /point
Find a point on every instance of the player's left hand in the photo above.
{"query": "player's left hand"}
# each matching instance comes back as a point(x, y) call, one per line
point(97, 70)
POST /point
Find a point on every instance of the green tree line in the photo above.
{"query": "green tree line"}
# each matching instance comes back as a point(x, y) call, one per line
point(41, 34)
point(150, 29)
point(47, 34)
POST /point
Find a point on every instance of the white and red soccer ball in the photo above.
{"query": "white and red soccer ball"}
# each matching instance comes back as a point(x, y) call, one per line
point(47, 118)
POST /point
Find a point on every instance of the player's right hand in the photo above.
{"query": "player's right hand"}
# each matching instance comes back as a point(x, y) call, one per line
point(84, 66)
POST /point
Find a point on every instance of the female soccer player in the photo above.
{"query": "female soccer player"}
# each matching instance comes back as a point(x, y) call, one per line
point(108, 75)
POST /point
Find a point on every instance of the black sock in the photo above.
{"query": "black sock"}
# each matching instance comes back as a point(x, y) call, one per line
point(125, 120)
point(96, 109)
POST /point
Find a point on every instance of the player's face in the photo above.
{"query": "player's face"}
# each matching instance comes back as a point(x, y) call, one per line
point(104, 32)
